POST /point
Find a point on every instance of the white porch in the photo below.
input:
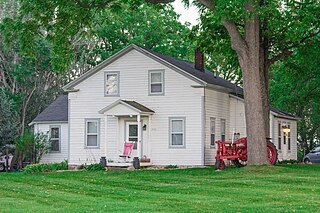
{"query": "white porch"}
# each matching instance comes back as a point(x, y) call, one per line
point(126, 121)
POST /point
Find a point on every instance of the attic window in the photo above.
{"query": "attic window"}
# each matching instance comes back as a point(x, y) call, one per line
point(156, 82)
point(111, 83)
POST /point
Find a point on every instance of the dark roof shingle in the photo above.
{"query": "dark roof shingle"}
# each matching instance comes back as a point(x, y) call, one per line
point(56, 111)
point(206, 76)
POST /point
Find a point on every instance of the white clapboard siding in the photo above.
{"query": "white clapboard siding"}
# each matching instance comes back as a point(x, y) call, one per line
point(237, 116)
point(55, 157)
point(180, 100)
point(216, 106)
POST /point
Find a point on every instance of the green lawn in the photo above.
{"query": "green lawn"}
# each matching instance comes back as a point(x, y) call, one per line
point(283, 188)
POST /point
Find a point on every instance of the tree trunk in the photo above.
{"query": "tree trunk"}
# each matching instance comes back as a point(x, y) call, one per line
point(252, 60)
point(255, 95)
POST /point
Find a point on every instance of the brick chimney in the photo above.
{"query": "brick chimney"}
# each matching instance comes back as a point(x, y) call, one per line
point(199, 60)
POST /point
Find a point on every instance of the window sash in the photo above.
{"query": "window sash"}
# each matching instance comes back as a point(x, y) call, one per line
point(154, 85)
point(109, 86)
point(289, 137)
point(223, 129)
point(279, 135)
point(55, 140)
point(212, 131)
point(177, 138)
point(88, 134)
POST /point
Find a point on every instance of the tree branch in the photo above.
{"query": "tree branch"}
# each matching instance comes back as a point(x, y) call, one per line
point(90, 6)
point(237, 42)
point(208, 4)
point(288, 50)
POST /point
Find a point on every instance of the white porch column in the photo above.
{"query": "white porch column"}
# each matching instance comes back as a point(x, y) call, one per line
point(105, 134)
point(139, 136)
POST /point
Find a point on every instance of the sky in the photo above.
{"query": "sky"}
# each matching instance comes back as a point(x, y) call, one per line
point(190, 15)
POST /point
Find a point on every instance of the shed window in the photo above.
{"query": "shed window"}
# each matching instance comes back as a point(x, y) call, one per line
point(156, 82)
point(55, 138)
point(289, 137)
point(92, 133)
point(212, 131)
point(177, 132)
point(279, 135)
point(112, 84)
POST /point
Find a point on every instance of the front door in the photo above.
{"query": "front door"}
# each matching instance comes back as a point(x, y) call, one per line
point(132, 135)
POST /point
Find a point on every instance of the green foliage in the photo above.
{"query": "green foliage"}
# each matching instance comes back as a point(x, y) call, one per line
point(171, 167)
point(8, 120)
point(32, 146)
point(281, 188)
point(288, 162)
point(300, 155)
point(95, 167)
point(80, 31)
point(284, 25)
point(295, 88)
point(39, 168)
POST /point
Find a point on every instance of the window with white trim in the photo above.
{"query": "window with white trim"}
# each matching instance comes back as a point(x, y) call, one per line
point(156, 82)
point(55, 138)
point(223, 129)
point(111, 83)
point(92, 133)
point(212, 131)
point(177, 132)
point(289, 137)
point(279, 135)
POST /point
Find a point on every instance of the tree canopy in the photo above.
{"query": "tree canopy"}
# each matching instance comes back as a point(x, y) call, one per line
point(295, 87)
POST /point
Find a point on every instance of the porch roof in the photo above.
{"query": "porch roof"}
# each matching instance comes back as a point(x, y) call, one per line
point(125, 107)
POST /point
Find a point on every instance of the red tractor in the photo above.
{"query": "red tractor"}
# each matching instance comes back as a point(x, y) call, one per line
point(237, 152)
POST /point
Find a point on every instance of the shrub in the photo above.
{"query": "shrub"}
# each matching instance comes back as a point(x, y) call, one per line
point(95, 167)
point(37, 168)
point(300, 155)
point(288, 162)
point(171, 167)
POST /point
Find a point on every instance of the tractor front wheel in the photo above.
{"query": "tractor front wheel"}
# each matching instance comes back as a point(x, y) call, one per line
point(239, 163)
point(2, 167)
point(219, 165)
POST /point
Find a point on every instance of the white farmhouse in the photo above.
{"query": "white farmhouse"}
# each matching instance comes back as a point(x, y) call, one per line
point(174, 110)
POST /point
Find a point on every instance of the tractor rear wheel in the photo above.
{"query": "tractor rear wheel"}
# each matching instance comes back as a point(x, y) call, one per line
point(219, 165)
point(272, 153)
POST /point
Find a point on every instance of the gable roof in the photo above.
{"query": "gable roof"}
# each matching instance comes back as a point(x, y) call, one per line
point(184, 67)
point(57, 111)
point(138, 106)
point(131, 104)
